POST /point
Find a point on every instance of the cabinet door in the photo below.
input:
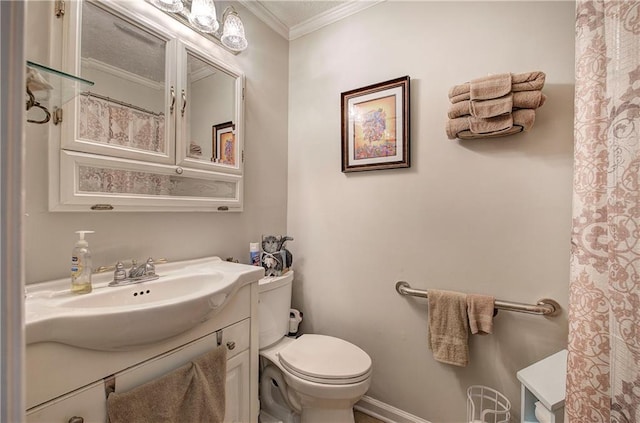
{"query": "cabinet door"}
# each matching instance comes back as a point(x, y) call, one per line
point(128, 113)
point(238, 396)
point(209, 122)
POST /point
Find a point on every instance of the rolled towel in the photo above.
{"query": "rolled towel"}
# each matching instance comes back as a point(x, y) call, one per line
point(521, 100)
point(455, 126)
point(480, 310)
point(526, 81)
point(460, 108)
point(524, 118)
point(479, 127)
point(489, 87)
point(492, 107)
point(448, 327)
point(489, 125)
point(528, 99)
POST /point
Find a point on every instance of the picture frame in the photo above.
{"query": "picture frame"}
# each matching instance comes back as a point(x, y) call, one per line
point(224, 143)
point(376, 126)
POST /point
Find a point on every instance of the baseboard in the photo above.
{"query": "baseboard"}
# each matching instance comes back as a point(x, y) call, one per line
point(385, 412)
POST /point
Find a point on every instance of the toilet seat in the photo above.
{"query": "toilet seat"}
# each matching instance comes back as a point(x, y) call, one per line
point(325, 359)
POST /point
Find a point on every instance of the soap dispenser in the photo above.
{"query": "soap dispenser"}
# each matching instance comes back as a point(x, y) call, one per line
point(81, 265)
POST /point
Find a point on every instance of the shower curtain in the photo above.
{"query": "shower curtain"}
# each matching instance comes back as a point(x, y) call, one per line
point(603, 369)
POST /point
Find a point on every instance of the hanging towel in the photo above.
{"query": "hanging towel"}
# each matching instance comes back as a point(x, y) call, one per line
point(448, 327)
point(493, 107)
point(488, 87)
point(194, 392)
point(480, 312)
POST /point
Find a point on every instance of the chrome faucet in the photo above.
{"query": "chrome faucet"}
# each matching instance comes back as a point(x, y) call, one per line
point(138, 273)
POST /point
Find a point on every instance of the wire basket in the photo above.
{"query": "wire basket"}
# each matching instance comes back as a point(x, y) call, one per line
point(486, 405)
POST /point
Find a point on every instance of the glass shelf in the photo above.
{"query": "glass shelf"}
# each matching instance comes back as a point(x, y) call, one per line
point(64, 87)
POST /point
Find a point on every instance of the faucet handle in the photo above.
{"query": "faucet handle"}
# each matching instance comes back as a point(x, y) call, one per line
point(120, 274)
point(149, 267)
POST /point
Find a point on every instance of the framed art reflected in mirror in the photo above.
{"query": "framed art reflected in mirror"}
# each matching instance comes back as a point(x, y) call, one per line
point(224, 143)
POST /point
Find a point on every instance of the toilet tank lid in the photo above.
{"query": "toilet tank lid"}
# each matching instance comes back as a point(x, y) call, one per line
point(325, 357)
point(272, 282)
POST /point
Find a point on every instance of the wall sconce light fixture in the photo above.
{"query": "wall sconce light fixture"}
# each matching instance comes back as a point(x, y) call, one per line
point(201, 15)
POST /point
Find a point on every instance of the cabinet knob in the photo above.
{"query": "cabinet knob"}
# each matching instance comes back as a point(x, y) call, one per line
point(179, 170)
point(76, 419)
point(231, 345)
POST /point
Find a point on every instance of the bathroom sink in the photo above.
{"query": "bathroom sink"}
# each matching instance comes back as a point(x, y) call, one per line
point(127, 317)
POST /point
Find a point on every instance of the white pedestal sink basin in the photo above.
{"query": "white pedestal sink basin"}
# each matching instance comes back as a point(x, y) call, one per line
point(126, 317)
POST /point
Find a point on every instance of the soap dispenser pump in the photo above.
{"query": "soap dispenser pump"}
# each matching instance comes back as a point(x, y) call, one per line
point(81, 265)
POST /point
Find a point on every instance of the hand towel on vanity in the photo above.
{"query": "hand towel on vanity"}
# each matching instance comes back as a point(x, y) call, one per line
point(194, 392)
point(448, 327)
point(480, 311)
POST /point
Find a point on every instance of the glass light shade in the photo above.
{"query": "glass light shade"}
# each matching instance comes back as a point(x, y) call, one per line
point(203, 15)
point(175, 6)
point(233, 33)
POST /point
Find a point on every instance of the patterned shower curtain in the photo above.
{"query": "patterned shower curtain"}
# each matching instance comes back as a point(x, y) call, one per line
point(603, 369)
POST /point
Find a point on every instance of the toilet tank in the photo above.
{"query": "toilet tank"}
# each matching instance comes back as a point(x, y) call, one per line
point(274, 302)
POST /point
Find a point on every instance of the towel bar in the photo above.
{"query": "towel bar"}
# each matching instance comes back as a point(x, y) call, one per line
point(545, 306)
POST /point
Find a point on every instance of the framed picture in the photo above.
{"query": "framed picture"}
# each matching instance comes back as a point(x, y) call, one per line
point(224, 143)
point(375, 126)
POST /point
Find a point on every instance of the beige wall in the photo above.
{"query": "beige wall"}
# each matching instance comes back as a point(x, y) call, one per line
point(486, 216)
point(49, 237)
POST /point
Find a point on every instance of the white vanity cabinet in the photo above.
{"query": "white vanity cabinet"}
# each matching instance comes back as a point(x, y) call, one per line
point(65, 382)
point(161, 129)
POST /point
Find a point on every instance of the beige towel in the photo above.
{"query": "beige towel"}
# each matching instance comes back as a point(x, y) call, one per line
point(524, 118)
point(492, 124)
point(488, 87)
point(194, 392)
point(492, 107)
point(521, 100)
point(527, 81)
point(448, 327)
point(479, 128)
point(480, 312)
point(528, 99)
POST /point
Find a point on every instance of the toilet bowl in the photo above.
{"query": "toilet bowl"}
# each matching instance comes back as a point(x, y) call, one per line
point(311, 379)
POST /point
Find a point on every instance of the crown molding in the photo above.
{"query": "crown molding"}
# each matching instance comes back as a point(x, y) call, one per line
point(310, 25)
point(329, 17)
point(266, 16)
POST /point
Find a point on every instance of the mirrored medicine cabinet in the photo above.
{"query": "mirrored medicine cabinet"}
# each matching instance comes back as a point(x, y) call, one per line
point(162, 127)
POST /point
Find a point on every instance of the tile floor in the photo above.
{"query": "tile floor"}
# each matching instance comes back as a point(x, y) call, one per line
point(364, 418)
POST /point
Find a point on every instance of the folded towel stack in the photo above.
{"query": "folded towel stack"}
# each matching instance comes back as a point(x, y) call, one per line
point(495, 106)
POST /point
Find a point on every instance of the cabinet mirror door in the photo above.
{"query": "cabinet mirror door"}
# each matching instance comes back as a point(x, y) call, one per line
point(125, 114)
point(210, 130)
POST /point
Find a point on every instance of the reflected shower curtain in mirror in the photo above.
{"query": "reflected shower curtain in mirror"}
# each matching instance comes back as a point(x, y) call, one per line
point(603, 369)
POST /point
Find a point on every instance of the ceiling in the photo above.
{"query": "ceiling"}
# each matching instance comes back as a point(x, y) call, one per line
point(294, 18)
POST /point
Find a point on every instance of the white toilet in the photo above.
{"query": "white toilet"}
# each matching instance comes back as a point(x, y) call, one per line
point(311, 379)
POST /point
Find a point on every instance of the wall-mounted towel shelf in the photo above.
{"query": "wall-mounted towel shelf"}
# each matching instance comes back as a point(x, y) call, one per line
point(545, 306)
point(48, 89)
